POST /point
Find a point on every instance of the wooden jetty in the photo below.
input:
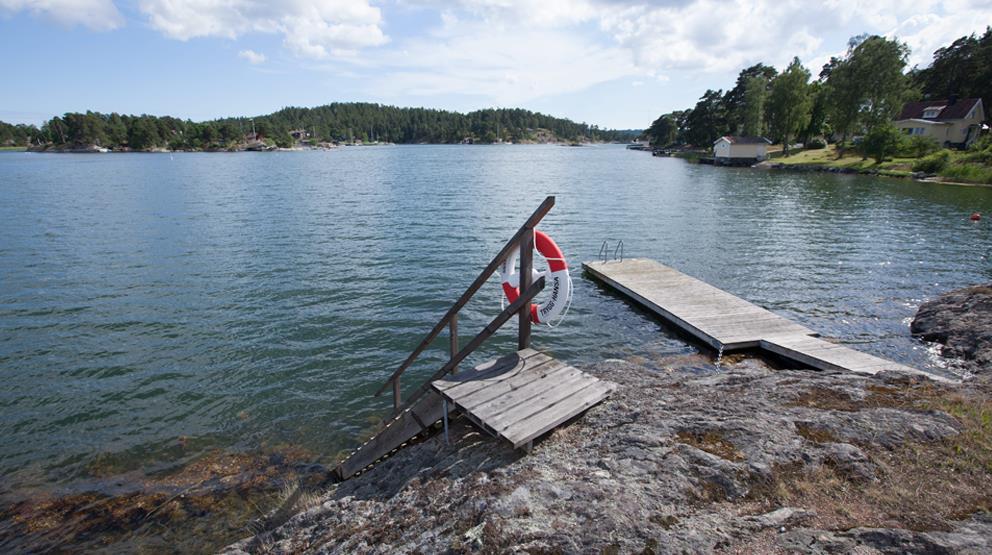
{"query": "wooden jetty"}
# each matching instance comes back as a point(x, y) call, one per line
point(517, 397)
point(728, 323)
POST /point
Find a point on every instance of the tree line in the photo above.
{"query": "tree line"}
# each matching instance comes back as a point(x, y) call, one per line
point(856, 94)
point(337, 122)
point(17, 135)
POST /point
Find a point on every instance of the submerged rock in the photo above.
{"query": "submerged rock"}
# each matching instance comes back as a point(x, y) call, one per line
point(191, 508)
point(744, 458)
point(961, 321)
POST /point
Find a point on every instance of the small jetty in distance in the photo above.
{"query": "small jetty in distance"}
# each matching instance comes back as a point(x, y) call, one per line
point(655, 151)
point(728, 323)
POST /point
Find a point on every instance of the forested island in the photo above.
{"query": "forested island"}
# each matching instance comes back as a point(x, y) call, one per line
point(336, 123)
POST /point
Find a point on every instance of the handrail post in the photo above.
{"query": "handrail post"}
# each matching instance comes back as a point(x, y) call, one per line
point(396, 394)
point(453, 343)
point(514, 242)
point(526, 262)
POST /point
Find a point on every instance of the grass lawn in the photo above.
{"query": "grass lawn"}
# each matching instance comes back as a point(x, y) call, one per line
point(828, 157)
point(12, 149)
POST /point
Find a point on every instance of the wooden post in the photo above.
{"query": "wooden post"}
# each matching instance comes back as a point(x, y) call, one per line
point(453, 331)
point(526, 262)
point(396, 394)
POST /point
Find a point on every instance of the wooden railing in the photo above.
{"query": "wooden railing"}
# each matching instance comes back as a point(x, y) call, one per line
point(524, 238)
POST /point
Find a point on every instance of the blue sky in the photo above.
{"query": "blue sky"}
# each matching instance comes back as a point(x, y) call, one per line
point(614, 63)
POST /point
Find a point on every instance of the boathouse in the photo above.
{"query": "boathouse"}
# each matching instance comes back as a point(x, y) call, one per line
point(732, 150)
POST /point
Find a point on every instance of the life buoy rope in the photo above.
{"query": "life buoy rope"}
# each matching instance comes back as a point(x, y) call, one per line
point(557, 280)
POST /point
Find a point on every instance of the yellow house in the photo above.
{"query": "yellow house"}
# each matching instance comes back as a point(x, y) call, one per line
point(953, 122)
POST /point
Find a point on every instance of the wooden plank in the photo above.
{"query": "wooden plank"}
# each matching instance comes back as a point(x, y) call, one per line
point(526, 431)
point(534, 404)
point(472, 398)
point(452, 340)
point(656, 308)
point(491, 368)
point(513, 405)
point(397, 432)
point(496, 402)
point(725, 321)
point(526, 262)
point(513, 366)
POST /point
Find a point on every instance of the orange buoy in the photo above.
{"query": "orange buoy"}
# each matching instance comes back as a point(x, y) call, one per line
point(976, 216)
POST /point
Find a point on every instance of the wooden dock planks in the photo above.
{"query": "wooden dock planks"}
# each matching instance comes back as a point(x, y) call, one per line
point(523, 395)
point(727, 322)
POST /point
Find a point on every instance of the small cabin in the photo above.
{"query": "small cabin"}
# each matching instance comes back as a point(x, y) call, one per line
point(731, 150)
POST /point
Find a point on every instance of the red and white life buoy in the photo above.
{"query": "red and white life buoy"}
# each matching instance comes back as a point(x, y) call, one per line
point(556, 279)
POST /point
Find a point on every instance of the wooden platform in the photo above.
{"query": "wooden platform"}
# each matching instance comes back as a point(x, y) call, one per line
point(522, 396)
point(727, 322)
point(517, 397)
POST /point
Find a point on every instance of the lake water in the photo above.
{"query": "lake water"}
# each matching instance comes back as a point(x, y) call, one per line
point(155, 308)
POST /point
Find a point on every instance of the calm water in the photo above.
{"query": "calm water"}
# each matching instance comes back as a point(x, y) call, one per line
point(240, 300)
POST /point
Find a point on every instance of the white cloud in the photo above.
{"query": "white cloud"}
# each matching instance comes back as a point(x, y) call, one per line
point(925, 32)
point(507, 52)
point(99, 15)
point(725, 35)
point(503, 64)
point(253, 57)
point(714, 36)
point(316, 29)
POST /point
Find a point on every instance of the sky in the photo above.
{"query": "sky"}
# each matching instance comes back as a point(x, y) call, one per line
point(614, 63)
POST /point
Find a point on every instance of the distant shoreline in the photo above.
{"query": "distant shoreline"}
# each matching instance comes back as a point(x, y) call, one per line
point(94, 149)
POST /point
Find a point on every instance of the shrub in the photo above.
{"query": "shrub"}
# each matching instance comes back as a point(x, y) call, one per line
point(979, 153)
point(919, 146)
point(968, 172)
point(933, 163)
point(814, 144)
point(882, 142)
point(984, 142)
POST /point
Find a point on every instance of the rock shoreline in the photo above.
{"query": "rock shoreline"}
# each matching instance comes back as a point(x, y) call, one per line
point(684, 457)
point(961, 322)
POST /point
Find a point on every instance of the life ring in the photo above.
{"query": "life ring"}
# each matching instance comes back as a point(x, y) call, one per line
point(556, 279)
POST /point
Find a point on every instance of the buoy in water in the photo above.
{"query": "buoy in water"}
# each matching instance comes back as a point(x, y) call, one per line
point(976, 216)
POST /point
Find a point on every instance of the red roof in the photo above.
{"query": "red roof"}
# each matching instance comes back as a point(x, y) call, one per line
point(958, 110)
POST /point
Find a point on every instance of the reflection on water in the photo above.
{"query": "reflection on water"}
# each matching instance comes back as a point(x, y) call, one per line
point(248, 300)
